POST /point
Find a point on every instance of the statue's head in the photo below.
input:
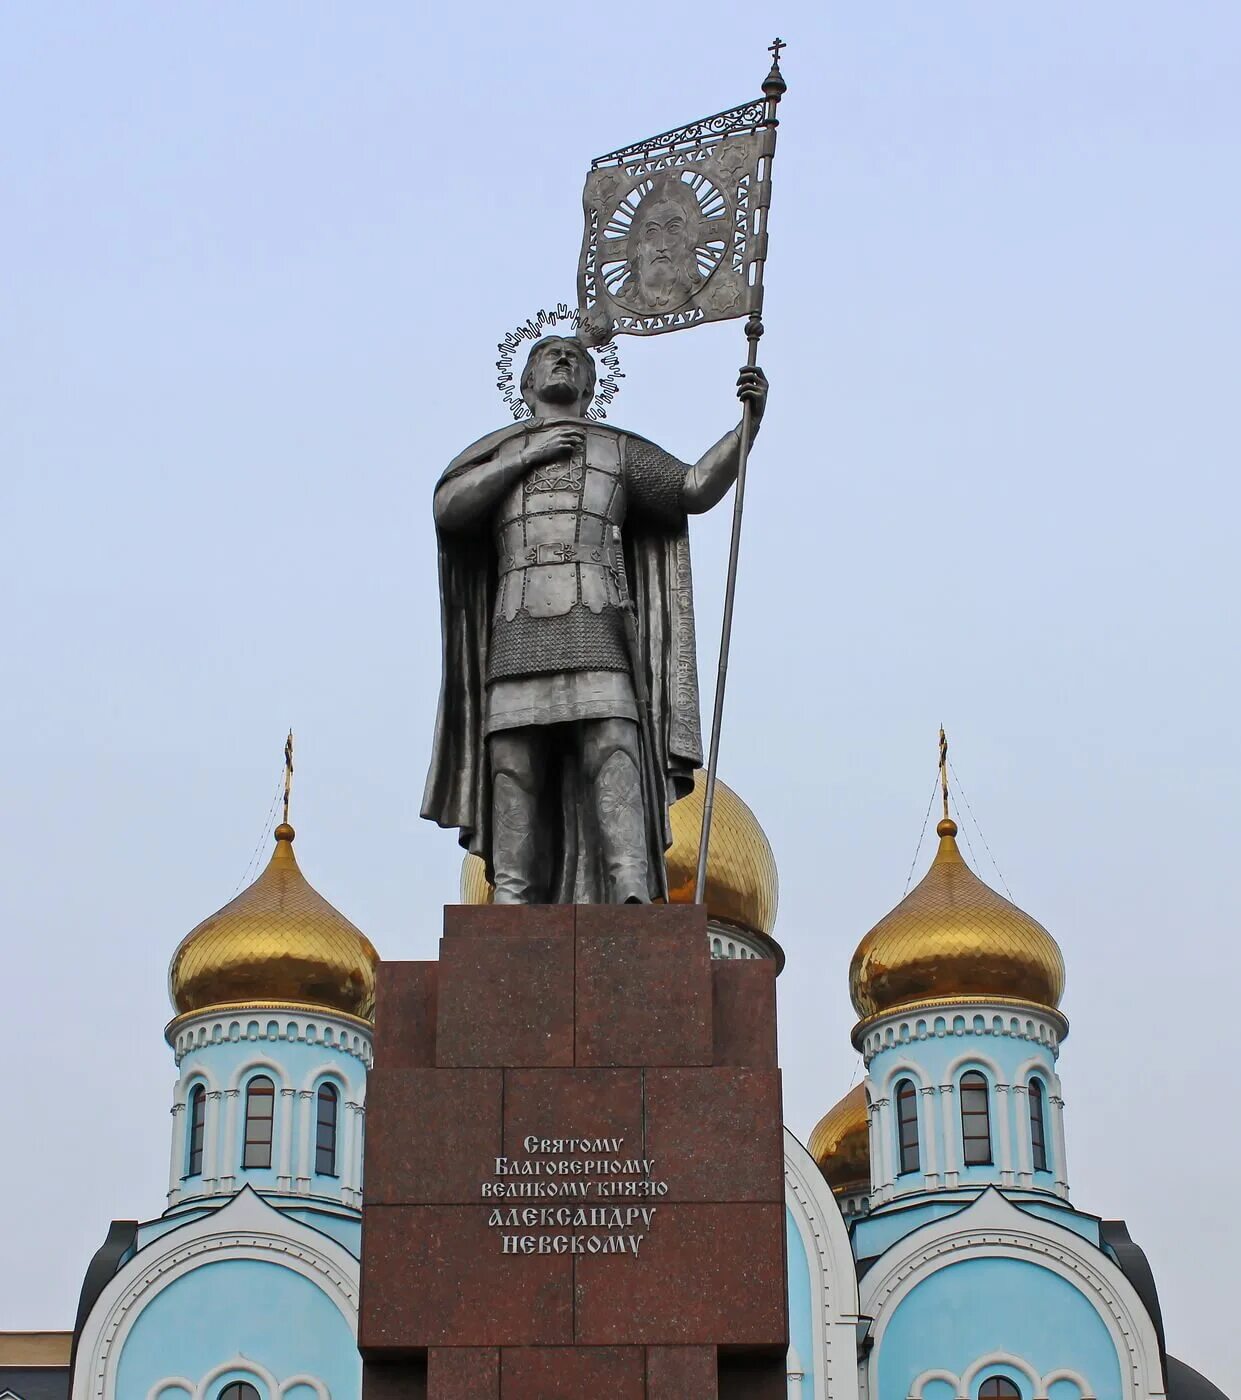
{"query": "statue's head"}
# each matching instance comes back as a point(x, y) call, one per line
point(559, 370)
point(663, 264)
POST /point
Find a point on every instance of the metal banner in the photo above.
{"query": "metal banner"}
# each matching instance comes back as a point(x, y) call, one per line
point(673, 227)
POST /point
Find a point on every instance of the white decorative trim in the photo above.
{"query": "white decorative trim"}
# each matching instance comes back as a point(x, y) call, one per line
point(246, 1228)
point(963, 1385)
point(992, 1227)
point(907, 1027)
point(225, 1025)
point(833, 1278)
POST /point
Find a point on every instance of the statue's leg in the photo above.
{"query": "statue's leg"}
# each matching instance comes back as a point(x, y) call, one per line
point(610, 762)
point(517, 848)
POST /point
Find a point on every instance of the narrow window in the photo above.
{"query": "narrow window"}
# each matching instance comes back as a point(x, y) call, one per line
point(907, 1124)
point(1038, 1129)
point(239, 1390)
point(196, 1130)
point(975, 1120)
point(325, 1131)
point(260, 1109)
point(998, 1388)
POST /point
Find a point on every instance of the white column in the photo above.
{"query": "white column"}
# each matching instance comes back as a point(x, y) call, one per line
point(1025, 1147)
point(305, 1129)
point(284, 1176)
point(348, 1130)
point(1057, 1145)
point(948, 1105)
point(177, 1157)
point(212, 1129)
point(795, 1372)
point(359, 1144)
point(930, 1160)
point(232, 1108)
point(1005, 1133)
point(879, 1138)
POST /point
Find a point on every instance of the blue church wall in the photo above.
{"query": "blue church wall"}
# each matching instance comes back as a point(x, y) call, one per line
point(236, 1308)
point(344, 1229)
point(801, 1323)
point(978, 1308)
point(875, 1234)
point(949, 1048)
point(249, 1048)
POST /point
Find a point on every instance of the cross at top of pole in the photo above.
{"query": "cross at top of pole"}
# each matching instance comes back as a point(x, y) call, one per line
point(288, 774)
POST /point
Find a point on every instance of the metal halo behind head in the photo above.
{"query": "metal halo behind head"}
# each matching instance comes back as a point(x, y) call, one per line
point(606, 386)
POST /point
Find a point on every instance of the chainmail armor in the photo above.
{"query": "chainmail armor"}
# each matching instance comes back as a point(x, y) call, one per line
point(655, 480)
point(578, 640)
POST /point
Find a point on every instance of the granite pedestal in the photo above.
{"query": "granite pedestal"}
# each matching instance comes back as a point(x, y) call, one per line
point(574, 1164)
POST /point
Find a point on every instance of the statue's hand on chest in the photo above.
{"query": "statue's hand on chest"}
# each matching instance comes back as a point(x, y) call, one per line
point(554, 457)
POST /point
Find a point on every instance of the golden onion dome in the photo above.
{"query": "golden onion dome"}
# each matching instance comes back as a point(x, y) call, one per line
point(840, 1143)
point(952, 938)
point(743, 887)
point(278, 942)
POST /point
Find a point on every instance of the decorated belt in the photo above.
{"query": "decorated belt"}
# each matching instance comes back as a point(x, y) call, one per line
point(559, 553)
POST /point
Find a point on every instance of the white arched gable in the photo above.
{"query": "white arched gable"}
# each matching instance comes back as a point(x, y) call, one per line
point(992, 1227)
point(246, 1228)
point(833, 1277)
point(974, 1059)
point(903, 1069)
point(259, 1065)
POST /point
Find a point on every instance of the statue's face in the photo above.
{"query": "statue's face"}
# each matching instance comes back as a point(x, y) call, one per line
point(559, 372)
point(665, 258)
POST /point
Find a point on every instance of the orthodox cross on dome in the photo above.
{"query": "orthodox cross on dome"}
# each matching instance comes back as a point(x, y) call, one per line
point(288, 774)
point(774, 49)
point(943, 769)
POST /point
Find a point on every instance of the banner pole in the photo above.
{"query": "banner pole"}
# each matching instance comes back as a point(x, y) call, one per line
point(774, 87)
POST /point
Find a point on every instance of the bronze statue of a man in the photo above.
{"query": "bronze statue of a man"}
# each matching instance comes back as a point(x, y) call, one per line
point(538, 756)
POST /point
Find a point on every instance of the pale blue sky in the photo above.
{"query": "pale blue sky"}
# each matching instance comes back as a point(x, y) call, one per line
point(256, 259)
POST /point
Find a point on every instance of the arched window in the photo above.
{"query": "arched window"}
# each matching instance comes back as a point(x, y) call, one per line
point(325, 1130)
point(975, 1120)
point(260, 1110)
point(239, 1390)
point(196, 1128)
point(1038, 1126)
point(998, 1388)
point(907, 1124)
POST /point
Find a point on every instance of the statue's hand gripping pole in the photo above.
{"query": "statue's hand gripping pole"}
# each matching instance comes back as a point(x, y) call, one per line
point(651, 802)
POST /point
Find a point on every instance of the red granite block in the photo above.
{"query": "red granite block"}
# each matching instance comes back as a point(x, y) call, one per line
point(432, 1135)
point(569, 1373)
point(405, 1014)
point(582, 1103)
point(463, 1373)
point(506, 987)
point(643, 985)
point(437, 1276)
point(716, 1134)
point(395, 1380)
point(753, 1377)
point(502, 919)
point(705, 1275)
point(744, 1012)
point(681, 1373)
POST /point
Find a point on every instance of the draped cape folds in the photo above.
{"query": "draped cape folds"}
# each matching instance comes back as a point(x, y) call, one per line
point(458, 788)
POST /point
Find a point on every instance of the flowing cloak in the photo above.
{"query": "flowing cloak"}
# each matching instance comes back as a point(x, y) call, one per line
point(458, 788)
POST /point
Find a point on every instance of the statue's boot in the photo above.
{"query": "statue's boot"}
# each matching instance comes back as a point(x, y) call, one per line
point(515, 841)
point(622, 826)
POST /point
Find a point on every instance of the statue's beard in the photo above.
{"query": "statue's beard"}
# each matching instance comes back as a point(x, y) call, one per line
point(560, 390)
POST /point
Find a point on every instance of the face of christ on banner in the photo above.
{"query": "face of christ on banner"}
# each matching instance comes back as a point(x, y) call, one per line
point(662, 270)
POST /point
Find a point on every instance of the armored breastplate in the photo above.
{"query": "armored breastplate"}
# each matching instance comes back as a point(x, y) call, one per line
point(556, 600)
